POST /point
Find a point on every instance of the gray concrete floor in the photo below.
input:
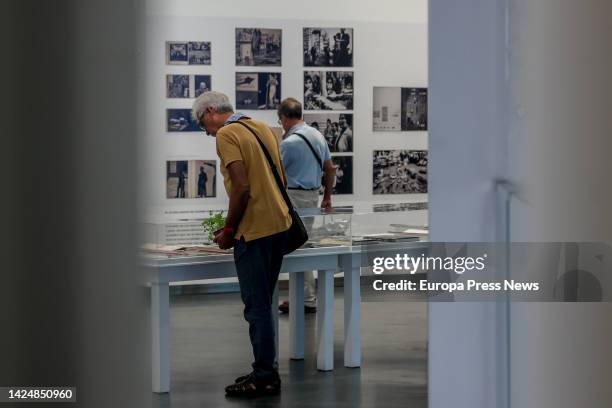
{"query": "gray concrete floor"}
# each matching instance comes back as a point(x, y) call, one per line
point(210, 348)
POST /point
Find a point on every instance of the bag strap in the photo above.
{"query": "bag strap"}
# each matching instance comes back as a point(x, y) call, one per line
point(277, 177)
point(319, 161)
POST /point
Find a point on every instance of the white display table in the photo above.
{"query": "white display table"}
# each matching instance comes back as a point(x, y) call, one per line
point(326, 261)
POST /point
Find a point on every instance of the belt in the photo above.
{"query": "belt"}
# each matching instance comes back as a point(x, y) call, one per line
point(303, 189)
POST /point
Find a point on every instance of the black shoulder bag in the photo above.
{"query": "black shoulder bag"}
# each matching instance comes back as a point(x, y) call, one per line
point(311, 149)
point(297, 235)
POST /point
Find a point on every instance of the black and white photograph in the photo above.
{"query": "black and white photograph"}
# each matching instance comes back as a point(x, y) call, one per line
point(177, 86)
point(176, 52)
point(414, 108)
point(188, 52)
point(387, 109)
point(258, 90)
point(328, 90)
point(399, 207)
point(399, 172)
point(180, 120)
point(337, 128)
point(191, 179)
point(198, 52)
point(344, 175)
point(201, 83)
point(328, 47)
point(258, 47)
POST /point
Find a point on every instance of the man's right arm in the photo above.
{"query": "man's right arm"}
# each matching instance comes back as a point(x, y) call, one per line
point(330, 175)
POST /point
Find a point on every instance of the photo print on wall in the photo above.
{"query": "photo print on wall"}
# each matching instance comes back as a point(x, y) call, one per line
point(414, 108)
point(328, 90)
point(187, 86)
point(177, 86)
point(328, 47)
point(258, 90)
point(337, 128)
point(191, 179)
point(343, 184)
point(399, 172)
point(399, 109)
point(387, 109)
point(201, 83)
point(188, 52)
point(258, 47)
point(180, 120)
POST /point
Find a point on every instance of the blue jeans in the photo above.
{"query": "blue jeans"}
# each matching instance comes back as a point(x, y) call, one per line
point(258, 263)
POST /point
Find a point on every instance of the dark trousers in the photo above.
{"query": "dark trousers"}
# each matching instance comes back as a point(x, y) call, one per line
point(258, 263)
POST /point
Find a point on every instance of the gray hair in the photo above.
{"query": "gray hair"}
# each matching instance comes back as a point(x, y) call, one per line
point(211, 99)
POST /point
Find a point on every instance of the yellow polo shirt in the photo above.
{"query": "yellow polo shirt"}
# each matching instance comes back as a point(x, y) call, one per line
point(266, 212)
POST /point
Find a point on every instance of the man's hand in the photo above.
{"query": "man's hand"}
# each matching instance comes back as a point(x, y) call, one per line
point(224, 240)
point(326, 204)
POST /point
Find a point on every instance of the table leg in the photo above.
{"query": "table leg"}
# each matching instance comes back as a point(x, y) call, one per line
point(325, 320)
point(275, 316)
point(160, 341)
point(352, 313)
point(296, 316)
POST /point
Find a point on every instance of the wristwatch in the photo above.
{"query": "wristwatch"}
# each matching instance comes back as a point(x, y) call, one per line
point(228, 230)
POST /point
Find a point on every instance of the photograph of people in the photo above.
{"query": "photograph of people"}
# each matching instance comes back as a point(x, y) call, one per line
point(176, 177)
point(258, 47)
point(177, 86)
point(206, 171)
point(176, 52)
point(400, 171)
point(328, 47)
point(337, 129)
point(271, 85)
point(191, 179)
point(199, 53)
point(256, 227)
point(414, 108)
point(308, 167)
point(180, 120)
point(343, 182)
point(335, 94)
point(202, 84)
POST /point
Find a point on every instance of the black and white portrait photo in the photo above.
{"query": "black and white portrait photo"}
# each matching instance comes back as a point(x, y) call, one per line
point(414, 108)
point(258, 47)
point(188, 52)
point(201, 83)
point(399, 172)
point(387, 109)
point(191, 179)
point(198, 52)
point(258, 90)
point(343, 184)
point(337, 128)
point(328, 47)
point(328, 90)
point(177, 86)
point(180, 120)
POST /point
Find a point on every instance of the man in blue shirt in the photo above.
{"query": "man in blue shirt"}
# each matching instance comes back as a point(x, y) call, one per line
point(306, 159)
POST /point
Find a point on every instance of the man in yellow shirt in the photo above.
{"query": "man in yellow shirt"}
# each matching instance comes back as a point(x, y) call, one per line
point(256, 226)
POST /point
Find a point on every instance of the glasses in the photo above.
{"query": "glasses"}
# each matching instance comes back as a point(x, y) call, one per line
point(201, 124)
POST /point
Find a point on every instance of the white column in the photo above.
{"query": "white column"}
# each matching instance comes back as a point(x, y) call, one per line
point(296, 315)
point(325, 320)
point(160, 341)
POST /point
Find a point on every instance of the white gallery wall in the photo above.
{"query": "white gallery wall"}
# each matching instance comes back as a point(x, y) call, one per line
point(390, 49)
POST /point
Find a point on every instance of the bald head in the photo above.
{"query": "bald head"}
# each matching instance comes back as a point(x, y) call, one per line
point(290, 113)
